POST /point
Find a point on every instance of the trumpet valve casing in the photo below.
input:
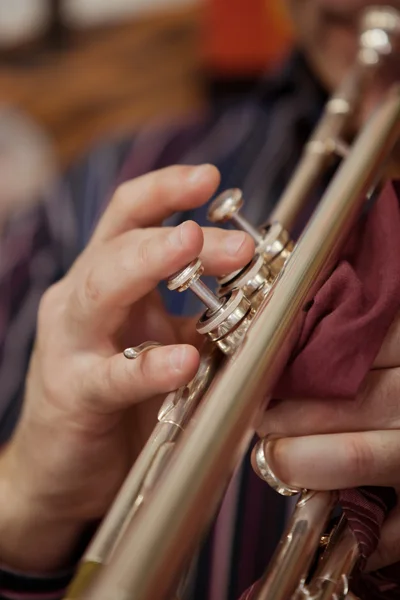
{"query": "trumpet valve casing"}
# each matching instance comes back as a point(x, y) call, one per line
point(271, 240)
point(276, 246)
point(254, 280)
point(226, 319)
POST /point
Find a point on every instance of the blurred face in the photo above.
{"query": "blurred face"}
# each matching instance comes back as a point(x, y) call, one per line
point(327, 31)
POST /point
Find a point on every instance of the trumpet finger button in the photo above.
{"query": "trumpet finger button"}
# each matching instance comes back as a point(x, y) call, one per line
point(135, 351)
point(189, 277)
point(226, 207)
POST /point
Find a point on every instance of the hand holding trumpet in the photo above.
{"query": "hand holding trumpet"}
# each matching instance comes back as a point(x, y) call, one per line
point(88, 410)
point(81, 386)
point(334, 444)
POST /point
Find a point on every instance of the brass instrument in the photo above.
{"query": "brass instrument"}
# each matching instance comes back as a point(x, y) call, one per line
point(204, 429)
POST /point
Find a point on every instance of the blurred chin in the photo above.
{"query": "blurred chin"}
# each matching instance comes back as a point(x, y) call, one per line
point(328, 34)
point(329, 41)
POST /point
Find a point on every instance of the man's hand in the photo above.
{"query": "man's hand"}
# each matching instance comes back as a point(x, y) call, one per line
point(338, 444)
point(83, 423)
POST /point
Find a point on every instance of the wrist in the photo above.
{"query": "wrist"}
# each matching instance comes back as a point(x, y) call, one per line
point(32, 537)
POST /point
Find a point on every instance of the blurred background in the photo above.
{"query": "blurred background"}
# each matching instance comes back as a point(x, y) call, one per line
point(75, 71)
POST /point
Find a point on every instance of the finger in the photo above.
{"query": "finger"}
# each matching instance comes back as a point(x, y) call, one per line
point(337, 461)
point(298, 417)
point(388, 550)
point(389, 354)
point(148, 200)
point(375, 407)
point(117, 383)
point(147, 319)
point(186, 332)
point(126, 270)
point(225, 251)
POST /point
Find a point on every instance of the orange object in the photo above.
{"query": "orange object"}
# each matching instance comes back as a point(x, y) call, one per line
point(244, 37)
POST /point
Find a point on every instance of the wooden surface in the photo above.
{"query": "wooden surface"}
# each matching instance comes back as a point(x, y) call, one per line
point(108, 80)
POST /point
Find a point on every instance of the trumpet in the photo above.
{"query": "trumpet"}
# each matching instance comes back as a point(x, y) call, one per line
point(204, 429)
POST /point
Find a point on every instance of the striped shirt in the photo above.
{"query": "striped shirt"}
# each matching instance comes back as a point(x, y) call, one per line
point(255, 141)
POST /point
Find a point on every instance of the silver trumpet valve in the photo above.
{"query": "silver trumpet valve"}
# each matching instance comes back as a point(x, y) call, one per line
point(226, 319)
point(255, 280)
point(226, 207)
point(189, 278)
point(272, 241)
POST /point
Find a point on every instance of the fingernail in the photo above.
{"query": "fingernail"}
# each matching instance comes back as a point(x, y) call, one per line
point(234, 242)
point(197, 173)
point(177, 358)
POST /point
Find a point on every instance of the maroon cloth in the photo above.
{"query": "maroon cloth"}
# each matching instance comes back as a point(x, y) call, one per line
point(339, 339)
point(342, 333)
point(351, 313)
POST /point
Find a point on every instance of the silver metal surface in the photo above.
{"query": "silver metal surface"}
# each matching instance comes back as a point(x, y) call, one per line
point(321, 150)
point(183, 279)
point(189, 278)
point(173, 418)
point(264, 470)
point(222, 326)
point(250, 279)
point(135, 351)
point(331, 579)
point(226, 207)
point(296, 551)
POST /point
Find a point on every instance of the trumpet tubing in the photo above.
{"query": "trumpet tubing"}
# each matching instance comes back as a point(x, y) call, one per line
point(204, 429)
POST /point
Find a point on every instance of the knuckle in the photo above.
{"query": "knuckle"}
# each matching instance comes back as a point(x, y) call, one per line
point(109, 377)
point(45, 308)
point(121, 194)
point(49, 315)
point(143, 252)
point(48, 303)
point(52, 366)
point(90, 287)
point(155, 189)
point(113, 381)
point(390, 405)
point(50, 380)
point(82, 294)
point(359, 456)
point(162, 185)
point(144, 364)
point(56, 375)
